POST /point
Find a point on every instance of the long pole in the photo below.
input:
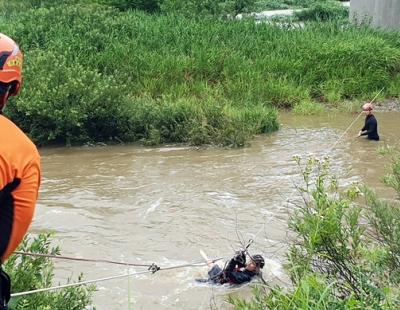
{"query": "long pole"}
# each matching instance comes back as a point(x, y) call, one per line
point(352, 123)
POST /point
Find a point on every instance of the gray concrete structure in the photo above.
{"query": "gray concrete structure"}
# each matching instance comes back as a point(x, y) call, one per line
point(381, 13)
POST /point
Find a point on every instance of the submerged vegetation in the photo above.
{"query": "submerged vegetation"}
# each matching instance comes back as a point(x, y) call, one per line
point(96, 71)
point(345, 251)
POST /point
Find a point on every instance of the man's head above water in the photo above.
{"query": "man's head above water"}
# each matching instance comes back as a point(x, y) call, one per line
point(367, 108)
point(255, 263)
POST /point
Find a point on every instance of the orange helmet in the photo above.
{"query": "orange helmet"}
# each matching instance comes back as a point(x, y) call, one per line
point(367, 107)
point(11, 59)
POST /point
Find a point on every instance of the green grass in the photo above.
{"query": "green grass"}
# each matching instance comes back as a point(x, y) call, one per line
point(30, 273)
point(93, 73)
point(345, 246)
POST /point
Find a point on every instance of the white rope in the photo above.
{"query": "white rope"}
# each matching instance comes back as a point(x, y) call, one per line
point(337, 141)
point(195, 264)
point(106, 261)
point(77, 284)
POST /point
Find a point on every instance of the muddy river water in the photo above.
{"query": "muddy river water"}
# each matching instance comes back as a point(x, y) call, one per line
point(144, 205)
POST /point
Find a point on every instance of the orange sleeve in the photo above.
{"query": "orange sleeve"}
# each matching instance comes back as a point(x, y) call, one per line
point(25, 196)
point(19, 159)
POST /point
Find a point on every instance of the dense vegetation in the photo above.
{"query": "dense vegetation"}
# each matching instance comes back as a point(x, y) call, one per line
point(345, 252)
point(187, 71)
point(96, 73)
point(30, 273)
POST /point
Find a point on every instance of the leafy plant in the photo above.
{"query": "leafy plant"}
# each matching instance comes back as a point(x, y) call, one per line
point(323, 11)
point(30, 273)
point(94, 73)
point(342, 255)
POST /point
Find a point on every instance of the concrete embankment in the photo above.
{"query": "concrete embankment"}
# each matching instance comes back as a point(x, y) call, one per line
point(381, 13)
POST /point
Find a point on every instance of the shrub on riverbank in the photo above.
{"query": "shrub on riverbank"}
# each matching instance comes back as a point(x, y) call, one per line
point(345, 251)
point(323, 12)
point(88, 67)
point(286, 4)
point(30, 273)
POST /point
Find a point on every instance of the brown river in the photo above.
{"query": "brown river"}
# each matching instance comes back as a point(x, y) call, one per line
point(162, 205)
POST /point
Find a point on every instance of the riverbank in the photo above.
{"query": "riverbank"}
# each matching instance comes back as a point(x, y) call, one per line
point(388, 105)
point(97, 74)
point(270, 14)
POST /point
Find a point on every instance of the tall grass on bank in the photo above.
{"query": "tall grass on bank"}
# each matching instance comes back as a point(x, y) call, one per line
point(345, 251)
point(89, 68)
point(323, 11)
point(286, 4)
point(189, 8)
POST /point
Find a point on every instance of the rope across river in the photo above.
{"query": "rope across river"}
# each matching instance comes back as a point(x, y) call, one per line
point(151, 268)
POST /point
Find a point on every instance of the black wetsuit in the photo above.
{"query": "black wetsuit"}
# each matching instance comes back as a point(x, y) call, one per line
point(233, 273)
point(371, 128)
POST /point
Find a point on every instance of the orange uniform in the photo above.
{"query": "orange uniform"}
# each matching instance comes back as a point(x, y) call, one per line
point(19, 161)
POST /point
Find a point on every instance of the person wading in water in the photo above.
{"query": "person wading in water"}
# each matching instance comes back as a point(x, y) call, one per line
point(237, 271)
point(19, 166)
point(370, 128)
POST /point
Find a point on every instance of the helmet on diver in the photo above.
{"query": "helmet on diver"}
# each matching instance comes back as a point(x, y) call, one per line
point(259, 260)
point(11, 59)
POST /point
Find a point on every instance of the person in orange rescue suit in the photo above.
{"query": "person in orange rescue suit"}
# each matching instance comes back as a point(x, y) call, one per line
point(19, 166)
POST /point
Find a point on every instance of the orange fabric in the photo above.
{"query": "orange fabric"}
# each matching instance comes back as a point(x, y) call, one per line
point(11, 70)
point(19, 158)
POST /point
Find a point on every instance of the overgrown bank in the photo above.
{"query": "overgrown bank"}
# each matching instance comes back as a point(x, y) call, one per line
point(33, 273)
point(93, 73)
point(345, 250)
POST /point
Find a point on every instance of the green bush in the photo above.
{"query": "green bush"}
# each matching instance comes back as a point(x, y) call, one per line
point(70, 103)
point(343, 255)
point(392, 179)
point(88, 66)
point(150, 6)
point(308, 108)
point(285, 4)
point(30, 273)
point(323, 11)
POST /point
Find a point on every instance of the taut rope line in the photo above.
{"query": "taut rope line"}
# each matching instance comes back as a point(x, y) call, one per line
point(152, 269)
point(106, 261)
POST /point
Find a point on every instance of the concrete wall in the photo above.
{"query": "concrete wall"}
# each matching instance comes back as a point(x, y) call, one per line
point(381, 13)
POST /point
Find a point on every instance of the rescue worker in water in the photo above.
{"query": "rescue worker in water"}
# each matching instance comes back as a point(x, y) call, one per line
point(237, 271)
point(370, 128)
point(19, 166)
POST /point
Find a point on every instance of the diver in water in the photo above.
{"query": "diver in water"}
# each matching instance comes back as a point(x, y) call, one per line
point(236, 271)
point(370, 128)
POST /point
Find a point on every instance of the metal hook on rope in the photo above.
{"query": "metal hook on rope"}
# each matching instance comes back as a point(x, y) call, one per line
point(153, 268)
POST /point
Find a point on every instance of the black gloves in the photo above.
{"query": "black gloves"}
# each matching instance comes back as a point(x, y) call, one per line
point(240, 258)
